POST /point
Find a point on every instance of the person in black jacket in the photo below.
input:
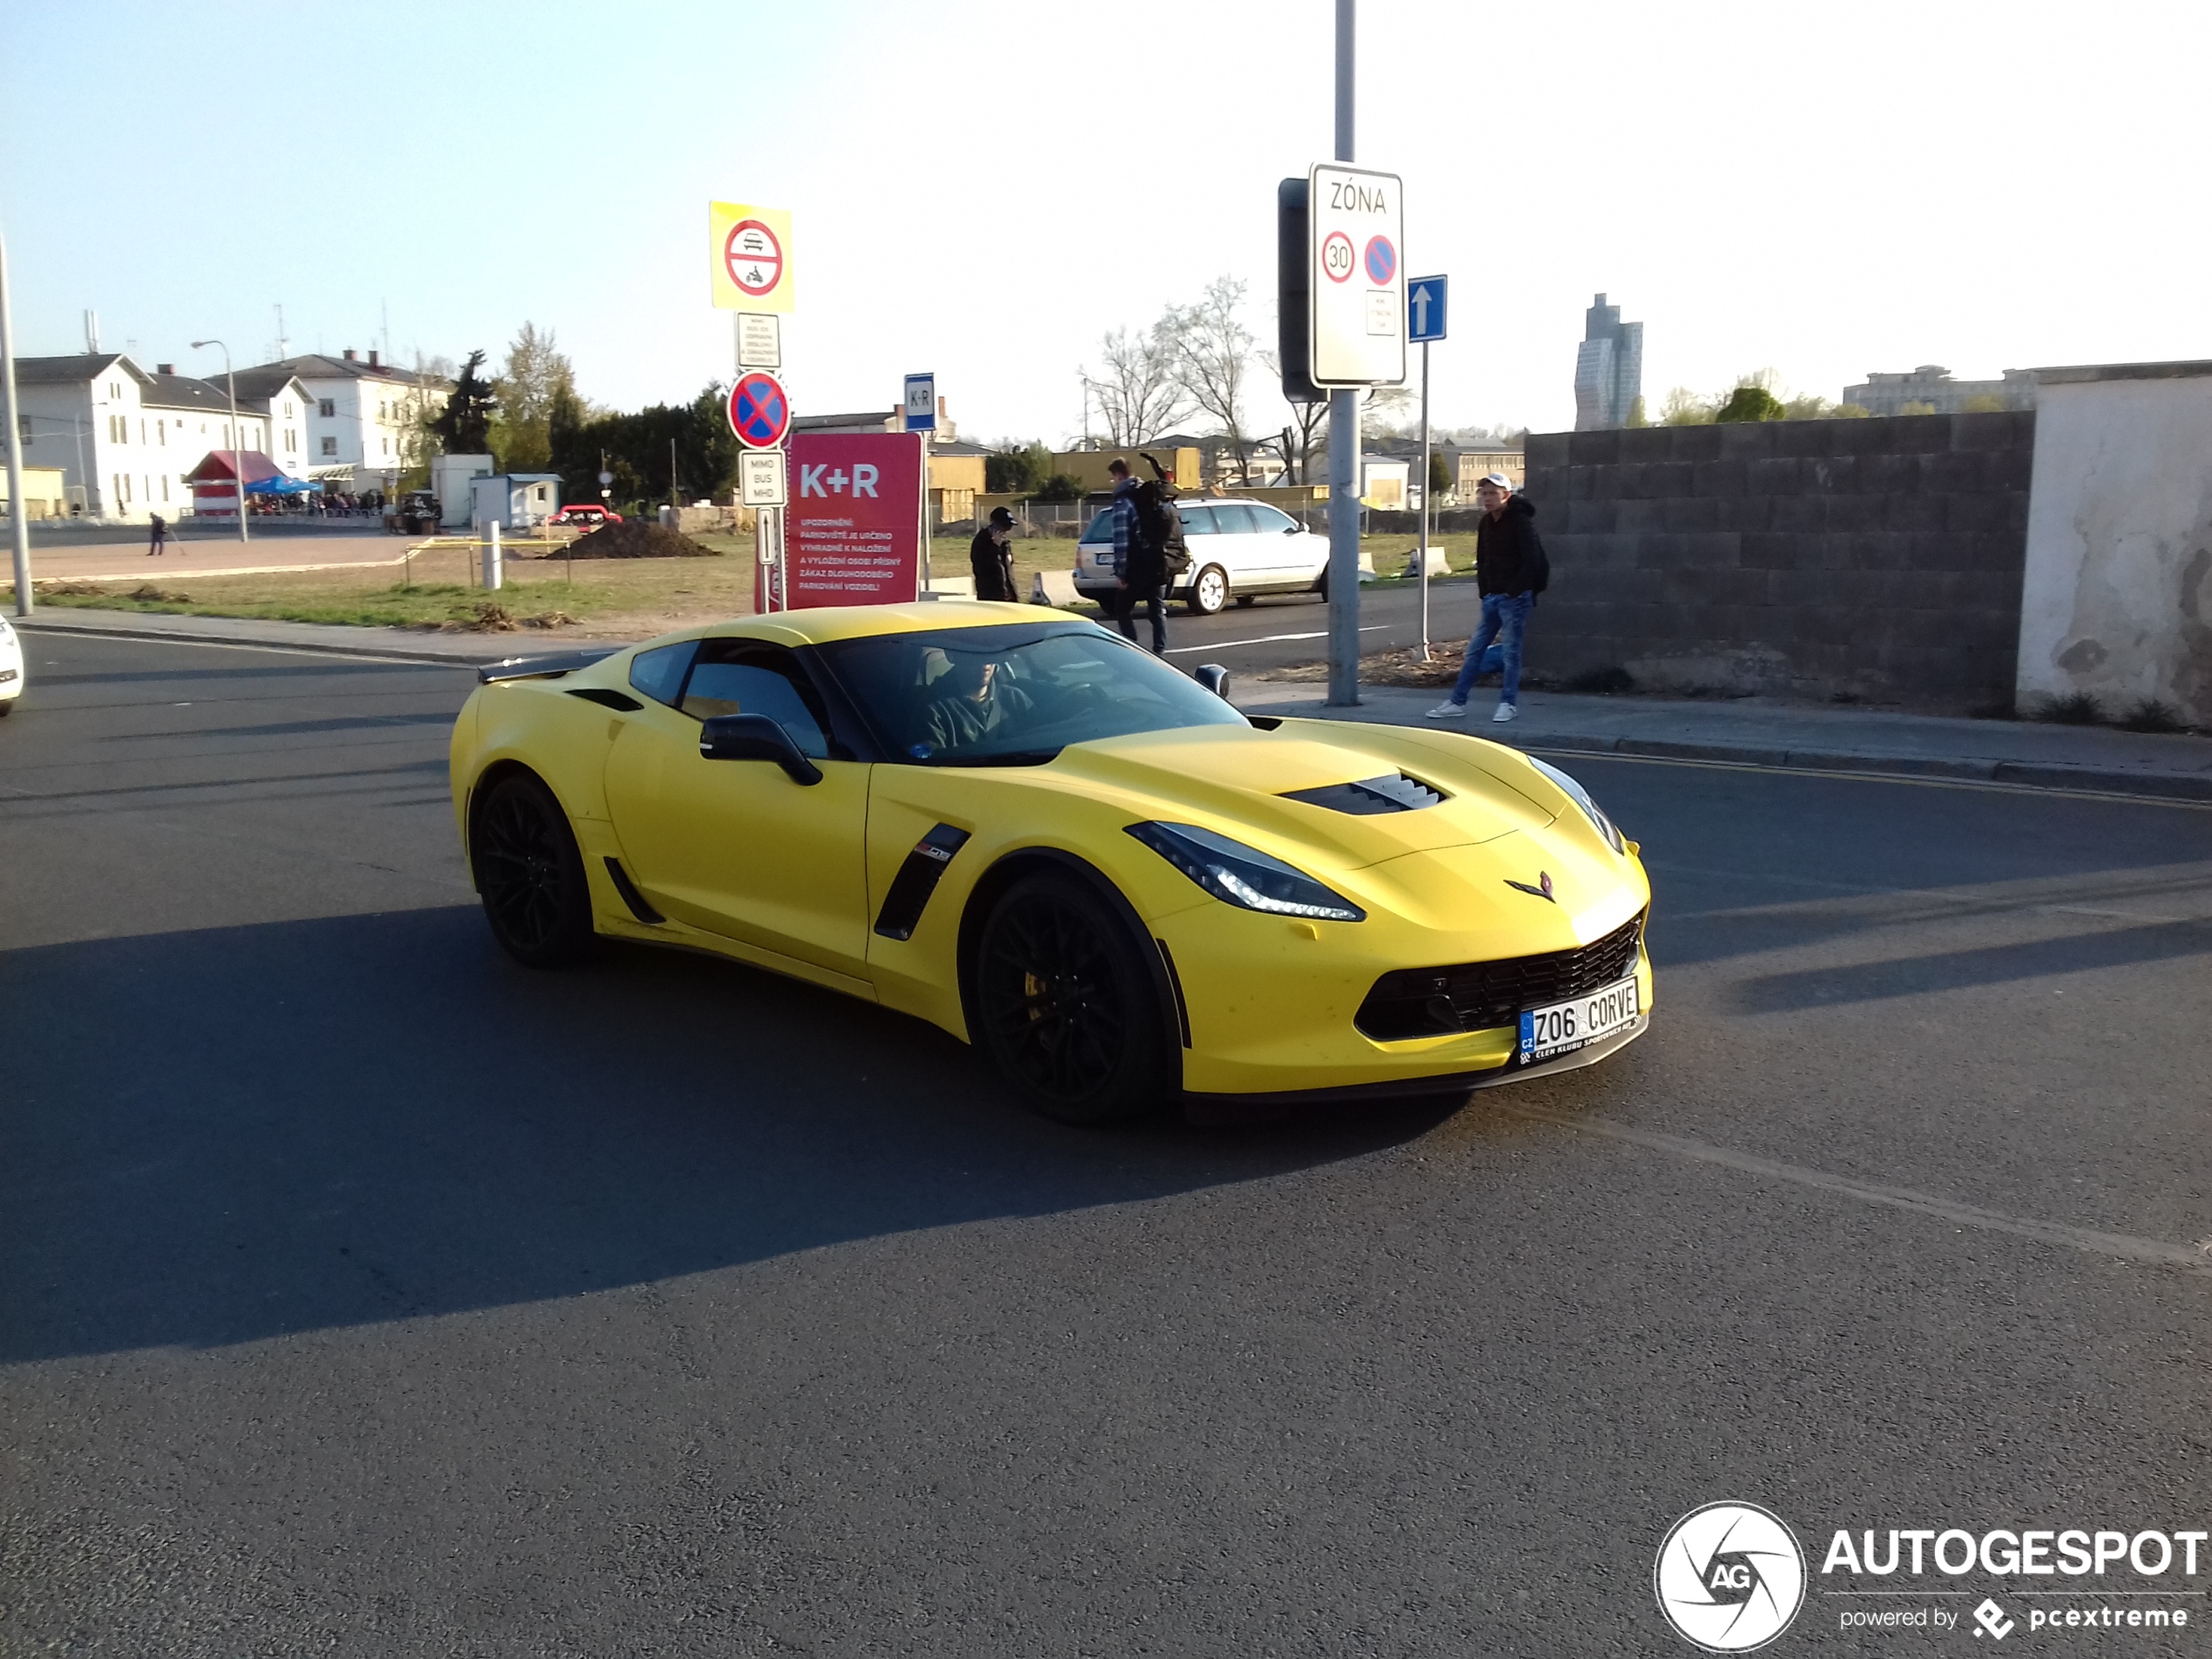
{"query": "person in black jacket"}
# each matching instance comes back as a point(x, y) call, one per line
point(1143, 574)
point(1510, 570)
point(991, 558)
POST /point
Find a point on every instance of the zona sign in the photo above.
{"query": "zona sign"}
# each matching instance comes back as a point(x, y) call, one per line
point(760, 411)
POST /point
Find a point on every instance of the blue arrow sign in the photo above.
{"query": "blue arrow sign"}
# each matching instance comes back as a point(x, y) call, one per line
point(1425, 308)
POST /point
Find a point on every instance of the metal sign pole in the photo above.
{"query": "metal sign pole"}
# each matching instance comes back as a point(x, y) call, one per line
point(18, 509)
point(1343, 445)
point(1426, 477)
point(928, 533)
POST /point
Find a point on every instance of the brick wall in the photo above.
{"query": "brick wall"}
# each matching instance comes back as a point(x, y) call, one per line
point(1877, 558)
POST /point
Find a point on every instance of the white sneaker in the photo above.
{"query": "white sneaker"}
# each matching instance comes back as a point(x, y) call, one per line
point(1505, 711)
point(1447, 710)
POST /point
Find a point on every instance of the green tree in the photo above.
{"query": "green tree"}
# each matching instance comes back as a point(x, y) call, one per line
point(536, 375)
point(1750, 403)
point(1638, 416)
point(1440, 476)
point(465, 426)
point(1684, 408)
point(640, 448)
point(1017, 470)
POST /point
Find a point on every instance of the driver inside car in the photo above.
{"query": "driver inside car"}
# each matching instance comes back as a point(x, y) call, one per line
point(975, 699)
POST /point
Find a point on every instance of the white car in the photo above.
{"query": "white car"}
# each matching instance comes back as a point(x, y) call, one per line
point(1239, 550)
point(10, 667)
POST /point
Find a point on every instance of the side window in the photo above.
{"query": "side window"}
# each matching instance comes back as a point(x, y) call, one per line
point(659, 674)
point(1236, 518)
point(1196, 521)
point(1269, 521)
point(743, 677)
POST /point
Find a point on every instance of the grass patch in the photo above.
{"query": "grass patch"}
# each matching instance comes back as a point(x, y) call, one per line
point(2148, 714)
point(2076, 708)
point(608, 598)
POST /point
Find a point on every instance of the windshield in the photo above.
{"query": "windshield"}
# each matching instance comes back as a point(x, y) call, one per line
point(1005, 695)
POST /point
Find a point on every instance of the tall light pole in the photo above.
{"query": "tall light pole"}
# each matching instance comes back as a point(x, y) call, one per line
point(19, 515)
point(1344, 448)
point(238, 454)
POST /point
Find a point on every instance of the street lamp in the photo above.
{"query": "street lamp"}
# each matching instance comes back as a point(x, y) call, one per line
point(238, 458)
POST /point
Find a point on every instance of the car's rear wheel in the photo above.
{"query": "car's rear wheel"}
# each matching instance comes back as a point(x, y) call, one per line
point(531, 876)
point(1209, 591)
point(1066, 1006)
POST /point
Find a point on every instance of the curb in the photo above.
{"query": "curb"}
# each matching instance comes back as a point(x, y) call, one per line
point(2032, 774)
point(2026, 773)
point(41, 623)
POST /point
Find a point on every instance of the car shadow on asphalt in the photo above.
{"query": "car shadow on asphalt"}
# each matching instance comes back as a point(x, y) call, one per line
point(226, 1136)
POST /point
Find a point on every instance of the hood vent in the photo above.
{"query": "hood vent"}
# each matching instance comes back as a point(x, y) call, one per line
point(1392, 792)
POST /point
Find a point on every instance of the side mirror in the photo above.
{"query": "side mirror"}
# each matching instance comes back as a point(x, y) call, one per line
point(755, 737)
point(1292, 530)
point(1215, 679)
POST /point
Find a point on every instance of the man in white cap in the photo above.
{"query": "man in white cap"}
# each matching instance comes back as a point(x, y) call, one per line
point(1510, 570)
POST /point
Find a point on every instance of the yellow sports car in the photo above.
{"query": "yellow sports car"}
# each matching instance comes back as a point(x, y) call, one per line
point(1016, 825)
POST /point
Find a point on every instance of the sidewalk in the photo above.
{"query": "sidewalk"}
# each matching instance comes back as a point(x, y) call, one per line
point(1751, 731)
point(390, 644)
point(1748, 731)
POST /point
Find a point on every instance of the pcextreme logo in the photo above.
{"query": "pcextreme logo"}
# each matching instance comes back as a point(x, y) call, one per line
point(1729, 1577)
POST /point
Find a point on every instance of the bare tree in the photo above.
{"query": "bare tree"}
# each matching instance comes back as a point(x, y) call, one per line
point(1138, 392)
point(1301, 440)
point(1212, 350)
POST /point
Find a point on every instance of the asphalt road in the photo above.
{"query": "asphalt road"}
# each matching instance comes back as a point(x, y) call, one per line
point(1278, 629)
point(361, 1293)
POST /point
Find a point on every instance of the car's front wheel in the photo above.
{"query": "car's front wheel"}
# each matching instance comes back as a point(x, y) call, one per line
point(1209, 591)
point(1066, 1006)
point(531, 876)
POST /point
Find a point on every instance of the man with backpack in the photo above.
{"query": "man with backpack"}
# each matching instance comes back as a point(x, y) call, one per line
point(1139, 549)
point(1510, 570)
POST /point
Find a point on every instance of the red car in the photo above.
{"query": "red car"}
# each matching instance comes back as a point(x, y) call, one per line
point(587, 514)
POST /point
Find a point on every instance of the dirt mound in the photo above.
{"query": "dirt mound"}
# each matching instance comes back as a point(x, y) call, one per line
point(635, 539)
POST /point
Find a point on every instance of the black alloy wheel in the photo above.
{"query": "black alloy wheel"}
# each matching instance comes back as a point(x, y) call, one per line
point(1066, 1006)
point(531, 876)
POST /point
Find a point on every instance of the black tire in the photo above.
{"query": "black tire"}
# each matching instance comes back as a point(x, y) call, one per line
point(1066, 1007)
point(1208, 599)
point(8, 707)
point(531, 875)
point(1322, 587)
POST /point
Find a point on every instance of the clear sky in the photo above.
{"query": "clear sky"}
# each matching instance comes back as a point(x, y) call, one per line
point(982, 187)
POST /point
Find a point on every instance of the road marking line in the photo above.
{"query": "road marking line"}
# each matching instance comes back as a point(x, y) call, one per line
point(2125, 1246)
point(1264, 639)
point(1913, 779)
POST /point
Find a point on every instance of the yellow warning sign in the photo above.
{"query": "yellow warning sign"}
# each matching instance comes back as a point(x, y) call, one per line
point(750, 248)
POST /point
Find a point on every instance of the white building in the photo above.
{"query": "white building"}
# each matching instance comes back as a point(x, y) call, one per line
point(364, 417)
point(124, 438)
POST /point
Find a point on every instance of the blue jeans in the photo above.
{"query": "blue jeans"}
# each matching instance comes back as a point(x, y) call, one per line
point(1496, 645)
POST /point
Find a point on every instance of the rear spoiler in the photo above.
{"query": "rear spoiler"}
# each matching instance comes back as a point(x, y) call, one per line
point(548, 667)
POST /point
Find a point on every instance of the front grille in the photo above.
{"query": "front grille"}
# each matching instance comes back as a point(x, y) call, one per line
point(1479, 996)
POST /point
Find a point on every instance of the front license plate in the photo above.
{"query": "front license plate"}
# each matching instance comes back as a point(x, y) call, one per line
point(1565, 1026)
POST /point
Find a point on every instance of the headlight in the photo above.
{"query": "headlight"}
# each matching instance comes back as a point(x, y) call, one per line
point(1243, 876)
point(1582, 799)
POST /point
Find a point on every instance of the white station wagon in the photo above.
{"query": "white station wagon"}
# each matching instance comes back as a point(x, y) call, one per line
point(1239, 550)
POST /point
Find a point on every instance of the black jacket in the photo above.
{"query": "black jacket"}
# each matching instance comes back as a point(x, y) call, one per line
point(1145, 568)
point(1508, 554)
point(993, 568)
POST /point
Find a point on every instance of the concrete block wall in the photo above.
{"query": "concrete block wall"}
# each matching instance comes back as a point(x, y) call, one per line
point(1877, 558)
